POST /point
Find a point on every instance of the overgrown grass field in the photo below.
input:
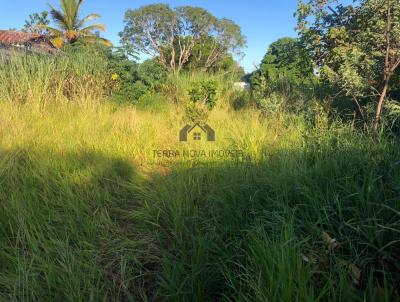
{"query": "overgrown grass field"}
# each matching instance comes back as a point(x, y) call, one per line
point(89, 213)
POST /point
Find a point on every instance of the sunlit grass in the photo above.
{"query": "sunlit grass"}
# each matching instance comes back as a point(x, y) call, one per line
point(88, 213)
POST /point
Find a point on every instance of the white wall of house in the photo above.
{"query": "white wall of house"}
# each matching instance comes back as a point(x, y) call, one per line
point(242, 86)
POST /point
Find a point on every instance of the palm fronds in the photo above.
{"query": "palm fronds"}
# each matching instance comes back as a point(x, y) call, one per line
point(71, 28)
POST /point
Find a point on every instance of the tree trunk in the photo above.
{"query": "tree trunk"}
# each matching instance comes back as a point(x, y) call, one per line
point(361, 112)
point(380, 105)
point(387, 71)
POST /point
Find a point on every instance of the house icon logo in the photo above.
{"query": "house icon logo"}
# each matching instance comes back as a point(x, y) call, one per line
point(197, 132)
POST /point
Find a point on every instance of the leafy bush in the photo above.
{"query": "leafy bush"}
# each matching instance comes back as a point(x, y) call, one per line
point(204, 93)
point(177, 87)
point(284, 93)
point(132, 80)
point(285, 77)
point(241, 100)
point(270, 104)
point(152, 74)
point(203, 99)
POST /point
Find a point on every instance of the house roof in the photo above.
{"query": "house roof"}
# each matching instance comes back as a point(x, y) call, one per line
point(12, 37)
point(205, 128)
point(29, 41)
point(194, 126)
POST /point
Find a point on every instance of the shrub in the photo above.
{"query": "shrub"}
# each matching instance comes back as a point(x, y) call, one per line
point(203, 99)
point(152, 74)
point(241, 99)
point(204, 93)
point(134, 80)
point(284, 94)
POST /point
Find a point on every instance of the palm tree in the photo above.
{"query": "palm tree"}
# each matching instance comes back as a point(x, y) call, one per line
point(71, 28)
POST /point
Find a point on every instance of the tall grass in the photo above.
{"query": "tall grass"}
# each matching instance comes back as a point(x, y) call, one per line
point(78, 77)
point(177, 86)
point(88, 213)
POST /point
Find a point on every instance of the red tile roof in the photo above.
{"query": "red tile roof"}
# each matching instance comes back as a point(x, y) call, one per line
point(12, 37)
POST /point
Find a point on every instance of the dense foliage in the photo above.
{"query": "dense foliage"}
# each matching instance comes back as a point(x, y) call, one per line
point(132, 80)
point(285, 58)
point(174, 36)
point(284, 77)
point(355, 47)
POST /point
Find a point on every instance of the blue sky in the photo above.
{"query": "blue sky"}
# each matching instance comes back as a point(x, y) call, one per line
point(262, 21)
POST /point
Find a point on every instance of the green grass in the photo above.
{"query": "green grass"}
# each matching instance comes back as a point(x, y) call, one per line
point(87, 213)
point(42, 80)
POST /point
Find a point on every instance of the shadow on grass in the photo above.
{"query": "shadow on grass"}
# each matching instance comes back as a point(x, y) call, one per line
point(302, 225)
point(84, 226)
point(62, 232)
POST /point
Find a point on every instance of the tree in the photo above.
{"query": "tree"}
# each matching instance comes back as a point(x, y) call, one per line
point(201, 54)
point(194, 25)
point(71, 28)
point(227, 37)
point(284, 75)
point(392, 47)
point(285, 58)
point(37, 23)
point(356, 47)
point(284, 68)
point(171, 35)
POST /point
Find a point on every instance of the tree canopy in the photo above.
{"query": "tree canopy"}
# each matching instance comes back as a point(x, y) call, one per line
point(285, 58)
point(37, 23)
point(285, 72)
point(71, 28)
point(171, 36)
point(356, 47)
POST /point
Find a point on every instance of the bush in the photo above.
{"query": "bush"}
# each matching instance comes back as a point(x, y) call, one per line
point(241, 100)
point(284, 94)
point(135, 80)
point(203, 99)
point(152, 74)
point(204, 93)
